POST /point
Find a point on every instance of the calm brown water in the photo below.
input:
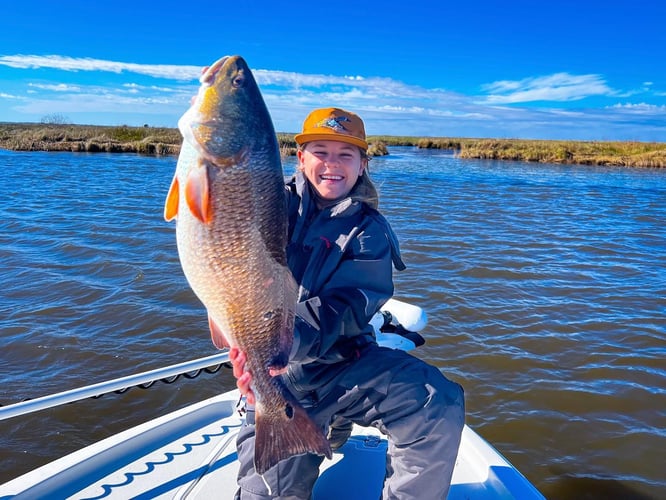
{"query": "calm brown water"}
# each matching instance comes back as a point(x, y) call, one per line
point(545, 287)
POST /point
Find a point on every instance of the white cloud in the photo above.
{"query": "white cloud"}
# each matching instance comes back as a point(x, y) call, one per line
point(98, 103)
point(556, 87)
point(64, 63)
point(297, 80)
point(641, 108)
point(58, 87)
point(138, 87)
point(388, 106)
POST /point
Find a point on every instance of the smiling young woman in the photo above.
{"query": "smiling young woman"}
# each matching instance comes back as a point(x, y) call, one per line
point(332, 167)
point(342, 253)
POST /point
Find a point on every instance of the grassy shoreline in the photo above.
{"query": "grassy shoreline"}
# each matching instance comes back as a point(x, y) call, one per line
point(167, 141)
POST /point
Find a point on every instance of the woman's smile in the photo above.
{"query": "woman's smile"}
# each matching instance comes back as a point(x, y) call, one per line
point(332, 167)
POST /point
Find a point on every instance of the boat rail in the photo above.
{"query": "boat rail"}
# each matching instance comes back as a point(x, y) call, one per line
point(396, 326)
point(121, 384)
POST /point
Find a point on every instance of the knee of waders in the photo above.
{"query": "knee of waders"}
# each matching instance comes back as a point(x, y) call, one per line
point(339, 432)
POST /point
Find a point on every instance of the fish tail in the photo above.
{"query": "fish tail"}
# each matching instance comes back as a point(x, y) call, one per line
point(280, 438)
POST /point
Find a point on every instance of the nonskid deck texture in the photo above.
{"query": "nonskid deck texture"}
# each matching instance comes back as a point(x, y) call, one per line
point(191, 453)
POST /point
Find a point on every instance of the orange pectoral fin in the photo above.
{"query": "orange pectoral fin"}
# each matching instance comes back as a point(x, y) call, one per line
point(219, 339)
point(197, 194)
point(171, 205)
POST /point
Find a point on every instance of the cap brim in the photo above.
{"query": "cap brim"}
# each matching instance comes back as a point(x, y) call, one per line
point(331, 136)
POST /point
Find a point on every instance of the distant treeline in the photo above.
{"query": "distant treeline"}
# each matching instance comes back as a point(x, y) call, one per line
point(167, 141)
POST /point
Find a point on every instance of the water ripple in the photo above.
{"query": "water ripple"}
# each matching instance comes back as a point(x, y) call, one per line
point(545, 287)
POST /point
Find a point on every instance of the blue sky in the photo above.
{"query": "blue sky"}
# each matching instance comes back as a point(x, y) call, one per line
point(585, 70)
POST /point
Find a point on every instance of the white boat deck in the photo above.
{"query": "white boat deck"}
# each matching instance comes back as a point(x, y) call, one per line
point(191, 453)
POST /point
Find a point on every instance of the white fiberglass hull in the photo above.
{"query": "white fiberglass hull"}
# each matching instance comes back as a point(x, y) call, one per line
point(191, 453)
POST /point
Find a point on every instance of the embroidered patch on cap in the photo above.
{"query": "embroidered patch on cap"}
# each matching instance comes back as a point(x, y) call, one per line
point(333, 122)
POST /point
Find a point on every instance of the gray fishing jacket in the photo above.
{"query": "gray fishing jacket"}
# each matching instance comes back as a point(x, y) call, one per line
point(342, 257)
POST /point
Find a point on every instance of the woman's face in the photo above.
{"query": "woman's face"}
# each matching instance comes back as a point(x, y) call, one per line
point(332, 167)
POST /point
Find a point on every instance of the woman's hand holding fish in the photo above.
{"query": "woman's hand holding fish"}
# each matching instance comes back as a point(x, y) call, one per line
point(243, 377)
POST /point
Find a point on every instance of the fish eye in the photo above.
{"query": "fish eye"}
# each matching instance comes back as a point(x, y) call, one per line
point(238, 81)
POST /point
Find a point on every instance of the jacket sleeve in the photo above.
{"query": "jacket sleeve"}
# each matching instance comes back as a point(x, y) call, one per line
point(342, 306)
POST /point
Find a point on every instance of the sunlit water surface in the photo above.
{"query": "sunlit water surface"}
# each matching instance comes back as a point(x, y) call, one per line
point(545, 288)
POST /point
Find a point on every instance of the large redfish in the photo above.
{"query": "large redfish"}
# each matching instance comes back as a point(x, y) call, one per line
point(228, 196)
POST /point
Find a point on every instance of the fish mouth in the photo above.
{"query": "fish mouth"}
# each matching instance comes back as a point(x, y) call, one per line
point(208, 76)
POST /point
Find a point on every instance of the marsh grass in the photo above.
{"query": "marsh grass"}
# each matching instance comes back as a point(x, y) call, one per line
point(167, 141)
point(89, 138)
point(619, 153)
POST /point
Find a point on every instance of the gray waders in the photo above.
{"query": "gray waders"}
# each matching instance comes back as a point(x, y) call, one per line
point(420, 411)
